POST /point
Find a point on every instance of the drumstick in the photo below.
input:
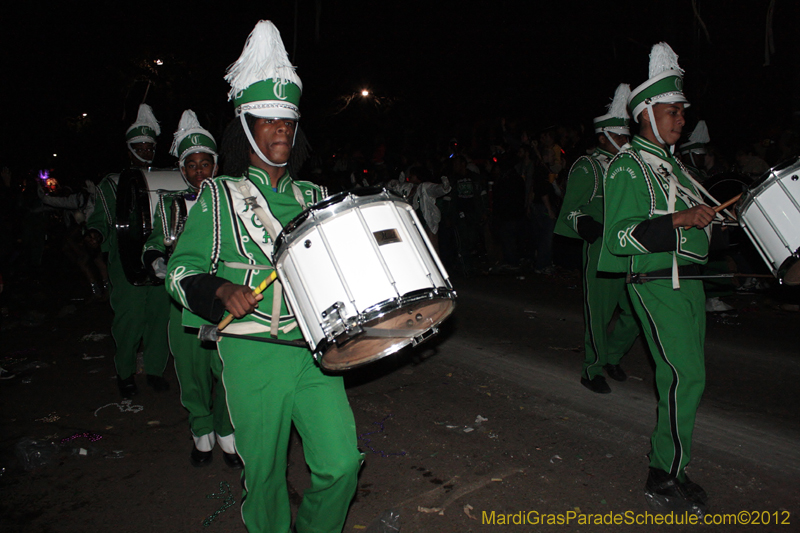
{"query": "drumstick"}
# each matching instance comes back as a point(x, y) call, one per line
point(720, 207)
point(728, 203)
point(258, 290)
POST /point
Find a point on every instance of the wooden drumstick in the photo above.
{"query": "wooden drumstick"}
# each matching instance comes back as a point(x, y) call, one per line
point(720, 207)
point(258, 290)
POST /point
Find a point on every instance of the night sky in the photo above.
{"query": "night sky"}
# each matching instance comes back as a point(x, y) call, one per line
point(436, 68)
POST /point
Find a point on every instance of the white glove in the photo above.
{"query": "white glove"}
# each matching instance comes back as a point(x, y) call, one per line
point(160, 268)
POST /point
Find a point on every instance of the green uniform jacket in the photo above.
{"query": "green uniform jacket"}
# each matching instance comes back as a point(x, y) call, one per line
point(638, 234)
point(224, 240)
point(581, 214)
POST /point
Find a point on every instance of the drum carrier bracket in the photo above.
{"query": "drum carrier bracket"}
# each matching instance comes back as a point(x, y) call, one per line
point(338, 327)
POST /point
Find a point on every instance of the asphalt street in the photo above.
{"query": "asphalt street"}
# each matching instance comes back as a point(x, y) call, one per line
point(483, 422)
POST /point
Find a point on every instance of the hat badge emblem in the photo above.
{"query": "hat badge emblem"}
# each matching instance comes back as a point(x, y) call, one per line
point(279, 90)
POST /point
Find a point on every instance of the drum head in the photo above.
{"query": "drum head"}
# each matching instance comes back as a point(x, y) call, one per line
point(364, 348)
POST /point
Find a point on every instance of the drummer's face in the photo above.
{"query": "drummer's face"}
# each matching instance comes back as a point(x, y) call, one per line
point(146, 151)
point(198, 167)
point(670, 120)
point(274, 137)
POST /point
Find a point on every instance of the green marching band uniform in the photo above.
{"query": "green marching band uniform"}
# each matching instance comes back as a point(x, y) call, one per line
point(581, 217)
point(197, 364)
point(640, 239)
point(644, 186)
point(269, 387)
point(140, 312)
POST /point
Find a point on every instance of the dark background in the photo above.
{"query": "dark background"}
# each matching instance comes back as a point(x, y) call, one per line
point(436, 69)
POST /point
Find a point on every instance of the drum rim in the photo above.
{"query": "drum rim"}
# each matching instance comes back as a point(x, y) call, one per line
point(320, 355)
point(775, 173)
point(381, 309)
point(386, 307)
point(322, 211)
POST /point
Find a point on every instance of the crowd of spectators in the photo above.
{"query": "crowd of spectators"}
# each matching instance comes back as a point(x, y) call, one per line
point(489, 201)
point(504, 192)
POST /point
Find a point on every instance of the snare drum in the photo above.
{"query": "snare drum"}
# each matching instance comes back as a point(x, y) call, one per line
point(138, 193)
point(362, 278)
point(770, 215)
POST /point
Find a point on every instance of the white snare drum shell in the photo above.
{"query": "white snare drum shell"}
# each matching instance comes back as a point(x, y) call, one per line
point(771, 217)
point(365, 256)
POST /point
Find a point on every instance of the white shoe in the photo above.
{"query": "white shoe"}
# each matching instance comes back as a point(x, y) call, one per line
point(205, 443)
point(715, 305)
point(227, 443)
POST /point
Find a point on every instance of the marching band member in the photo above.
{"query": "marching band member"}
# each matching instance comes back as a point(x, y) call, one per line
point(197, 364)
point(225, 251)
point(657, 226)
point(582, 217)
point(140, 312)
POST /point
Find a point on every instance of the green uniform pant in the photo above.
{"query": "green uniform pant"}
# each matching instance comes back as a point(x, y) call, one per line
point(674, 323)
point(601, 296)
point(140, 314)
point(269, 387)
point(199, 371)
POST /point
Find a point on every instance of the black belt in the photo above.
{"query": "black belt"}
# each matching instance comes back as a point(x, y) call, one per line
point(684, 271)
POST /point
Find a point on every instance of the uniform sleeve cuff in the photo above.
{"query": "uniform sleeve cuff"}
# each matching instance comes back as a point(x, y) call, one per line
point(201, 295)
point(656, 234)
point(589, 229)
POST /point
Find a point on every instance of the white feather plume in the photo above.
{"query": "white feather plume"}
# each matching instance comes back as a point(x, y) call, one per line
point(619, 104)
point(188, 122)
point(146, 118)
point(263, 57)
point(700, 134)
point(662, 58)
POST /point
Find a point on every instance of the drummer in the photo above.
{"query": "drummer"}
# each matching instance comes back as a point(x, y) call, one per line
point(655, 226)
point(582, 217)
point(140, 312)
point(197, 364)
point(225, 252)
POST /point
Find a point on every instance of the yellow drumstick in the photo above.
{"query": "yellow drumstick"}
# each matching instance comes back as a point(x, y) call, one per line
point(258, 290)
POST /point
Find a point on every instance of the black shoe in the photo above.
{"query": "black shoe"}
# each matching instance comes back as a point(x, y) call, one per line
point(664, 494)
point(696, 490)
point(199, 458)
point(158, 383)
point(615, 372)
point(232, 460)
point(127, 387)
point(596, 384)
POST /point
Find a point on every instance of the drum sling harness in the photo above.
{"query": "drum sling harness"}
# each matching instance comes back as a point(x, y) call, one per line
point(273, 228)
